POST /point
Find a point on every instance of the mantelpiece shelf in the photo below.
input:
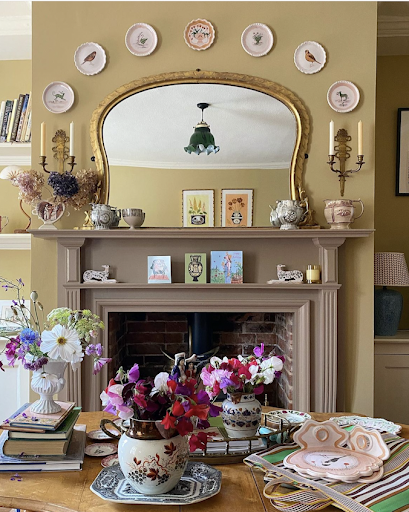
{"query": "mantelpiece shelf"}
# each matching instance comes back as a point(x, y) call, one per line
point(202, 286)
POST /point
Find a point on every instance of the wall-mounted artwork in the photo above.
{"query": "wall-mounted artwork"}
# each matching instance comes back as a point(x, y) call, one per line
point(159, 270)
point(199, 34)
point(237, 208)
point(195, 268)
point(226, 267)
point(198, 208)
point(402, 153)
point(90, 58)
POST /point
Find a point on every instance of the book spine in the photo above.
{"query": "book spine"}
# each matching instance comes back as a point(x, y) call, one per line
point(12, 118)
point(17, 118)
point(23, 114)
point(6, 120)
point(24, 128)
point(27, 137)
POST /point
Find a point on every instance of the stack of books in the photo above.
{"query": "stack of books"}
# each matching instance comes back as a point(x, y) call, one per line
point(42, 442)
point(15, 119)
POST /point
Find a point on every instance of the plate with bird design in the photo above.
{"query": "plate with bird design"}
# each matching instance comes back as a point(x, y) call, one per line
point(141, 39)
point(90, 59)
point(257, 39)
point(310, 57)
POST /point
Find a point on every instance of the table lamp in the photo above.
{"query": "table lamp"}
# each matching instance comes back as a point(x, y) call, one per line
point(8, 173)
point(390, 270)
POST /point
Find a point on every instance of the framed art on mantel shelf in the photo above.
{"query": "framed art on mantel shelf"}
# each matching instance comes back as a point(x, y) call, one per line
point(402, 153)
point(237, 208)
point(198, 208)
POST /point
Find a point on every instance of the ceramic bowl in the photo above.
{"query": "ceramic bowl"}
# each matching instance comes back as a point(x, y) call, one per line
point(134, 217)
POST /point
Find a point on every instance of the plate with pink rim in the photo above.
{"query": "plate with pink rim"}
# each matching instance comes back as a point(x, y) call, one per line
point(343, 96)
point(99, 435)
point(111, 460)
point(310, 57)
point(257, 39)
point(100, 449)
point(141, 39)
point(292, 417)
point(90, 59)
point(58, 97)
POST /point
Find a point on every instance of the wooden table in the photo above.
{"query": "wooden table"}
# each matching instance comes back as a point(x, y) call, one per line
point(242, 487)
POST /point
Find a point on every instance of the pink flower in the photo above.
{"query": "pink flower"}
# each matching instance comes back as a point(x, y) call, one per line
point(133, 374)
point(124, 411)
point(258, 351)
point(99, 363)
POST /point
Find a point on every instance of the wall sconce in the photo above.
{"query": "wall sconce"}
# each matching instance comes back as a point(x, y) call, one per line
point(10, 173)
point(341, 151)
point(202, 141)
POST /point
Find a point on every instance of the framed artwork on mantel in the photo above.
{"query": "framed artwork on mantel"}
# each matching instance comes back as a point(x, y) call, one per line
point(198, 208)
point(402, 153)
point(237, 208)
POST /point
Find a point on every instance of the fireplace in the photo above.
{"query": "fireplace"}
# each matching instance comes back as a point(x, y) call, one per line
point(148, 339)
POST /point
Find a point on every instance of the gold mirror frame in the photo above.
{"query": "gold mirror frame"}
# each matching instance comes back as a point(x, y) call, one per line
point(273, 89)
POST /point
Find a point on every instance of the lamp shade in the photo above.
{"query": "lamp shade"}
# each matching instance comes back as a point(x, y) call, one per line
point(391, 269)
point(9, 172)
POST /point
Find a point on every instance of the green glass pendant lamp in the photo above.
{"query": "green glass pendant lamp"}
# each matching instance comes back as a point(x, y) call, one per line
point(202, 140)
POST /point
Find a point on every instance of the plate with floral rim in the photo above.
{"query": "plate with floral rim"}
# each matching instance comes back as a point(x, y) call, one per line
point(111, 460)
point(58, 97)
point(199, 34)
point(257, 39)
point(198, 483)
point(141, 39)
point(293, 417)
point(343, 96)
point(310, 57)
point(100, 449)
point(90, 59)
point(379, 424)
point(99, 435)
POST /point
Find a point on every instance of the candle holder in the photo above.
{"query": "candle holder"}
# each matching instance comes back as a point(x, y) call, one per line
point(60, 151)
point(342, 153)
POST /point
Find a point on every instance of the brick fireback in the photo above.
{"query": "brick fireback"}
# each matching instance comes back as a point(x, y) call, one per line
point(140, 337)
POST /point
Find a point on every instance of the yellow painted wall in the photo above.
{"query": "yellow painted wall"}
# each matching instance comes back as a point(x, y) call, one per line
point(349, 58)
point(15, 79)
point(391, 213)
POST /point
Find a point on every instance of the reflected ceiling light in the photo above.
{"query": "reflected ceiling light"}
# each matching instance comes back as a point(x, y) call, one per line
point(202, 141)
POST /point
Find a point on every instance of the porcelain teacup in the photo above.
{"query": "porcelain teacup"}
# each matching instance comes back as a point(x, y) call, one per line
point(134, 217)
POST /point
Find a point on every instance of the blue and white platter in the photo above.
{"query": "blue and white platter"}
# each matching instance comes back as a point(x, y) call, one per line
point(199, 482)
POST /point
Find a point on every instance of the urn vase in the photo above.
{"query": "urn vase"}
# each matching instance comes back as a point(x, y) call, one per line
point(241, 414)
point(47, 382)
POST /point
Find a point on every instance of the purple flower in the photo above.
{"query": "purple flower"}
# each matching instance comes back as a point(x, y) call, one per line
point(20, 281)
point(99, 363)
point(98, 349)
point(225, 382)
point(133, 374)
point(186, 405)
point(14, 302)
point(33, 418)
point(258, 351)
point(6, 421)
point(90, 349)
point(64, 184)
point(24, 415)
point(1, 367)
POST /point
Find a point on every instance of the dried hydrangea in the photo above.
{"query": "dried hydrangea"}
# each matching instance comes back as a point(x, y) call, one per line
point(88, 186)
point(30, 184)
point(64, 184)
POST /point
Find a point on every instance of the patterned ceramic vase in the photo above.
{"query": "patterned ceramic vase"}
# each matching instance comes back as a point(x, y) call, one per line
point(341, 212)
point(47, 382)
point(241, 414)
point(149, 462)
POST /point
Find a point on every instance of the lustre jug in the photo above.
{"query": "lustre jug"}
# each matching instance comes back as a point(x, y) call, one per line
point(341, 212)
point(289, 214)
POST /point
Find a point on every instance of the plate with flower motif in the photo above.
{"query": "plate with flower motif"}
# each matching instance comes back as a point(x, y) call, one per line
point(141, 39)
point(257, 39)
point(379, 424)
point(58, 97)
point(310, 57)
point(100, 449)
point(111, 460)
point(99, 435)
point(199, 34)
point(343, 96)
point(90, 59)
point(292, 417)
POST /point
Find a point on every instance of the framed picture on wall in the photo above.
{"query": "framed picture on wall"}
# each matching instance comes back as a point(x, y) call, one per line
point(237, 208)
point(198, 208)
point(402, 153)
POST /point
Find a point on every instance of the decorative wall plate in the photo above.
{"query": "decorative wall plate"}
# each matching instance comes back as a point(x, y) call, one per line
point(310, 57)
point(111, 460)
point(99, 435)
point(257, 39)
point(58, 97)
point(293, 417)
point(90, 58)
point(369, 423)
point(199, 34)
point(141, 39)
point(198, 483)
point(100, 449)
point(343, 96)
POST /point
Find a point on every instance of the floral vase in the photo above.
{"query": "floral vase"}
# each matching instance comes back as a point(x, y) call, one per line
point(241, 414)
point(151, 458)
point(47, 382)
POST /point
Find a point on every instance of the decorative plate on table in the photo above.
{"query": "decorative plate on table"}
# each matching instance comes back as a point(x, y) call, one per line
point(58, 97)
point(111, 460)
point(369, 423)
point(343, 96)
point(100, 449)
point(199, 34)
point(292, 417)
point(99, 435)
point(141, 39)
point(310, 57)
point(257, 39)
point(90, 58)
point(198, 483)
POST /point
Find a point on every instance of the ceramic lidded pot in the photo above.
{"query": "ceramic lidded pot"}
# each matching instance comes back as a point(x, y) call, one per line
point(339, 213)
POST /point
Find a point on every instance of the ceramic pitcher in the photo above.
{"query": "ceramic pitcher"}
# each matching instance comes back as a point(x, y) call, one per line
point(289, 213)
point(102, 216)
point(341, 212)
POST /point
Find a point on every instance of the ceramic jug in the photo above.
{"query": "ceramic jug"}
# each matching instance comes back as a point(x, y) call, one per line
point(289, 213)
point(102, 216)
point(341, 212)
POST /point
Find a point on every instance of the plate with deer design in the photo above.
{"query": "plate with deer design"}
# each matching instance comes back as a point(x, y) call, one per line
point(343, 96)
point(58, 97)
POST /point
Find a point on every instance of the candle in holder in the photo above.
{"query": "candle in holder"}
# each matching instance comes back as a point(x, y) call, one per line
point(360, 139)
point(43, 140)
point(331, 138)
point(72, 139)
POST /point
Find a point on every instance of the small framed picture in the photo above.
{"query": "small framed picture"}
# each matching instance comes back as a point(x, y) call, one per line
point(195, 267)
point(198, 208)
point(237, 208)
point(402, 153)
point(226, 267)
point(159, 270)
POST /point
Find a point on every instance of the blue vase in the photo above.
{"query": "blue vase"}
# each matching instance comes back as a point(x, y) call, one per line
point(388, 310)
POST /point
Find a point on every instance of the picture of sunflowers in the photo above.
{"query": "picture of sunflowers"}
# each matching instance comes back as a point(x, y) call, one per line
point(237, 208)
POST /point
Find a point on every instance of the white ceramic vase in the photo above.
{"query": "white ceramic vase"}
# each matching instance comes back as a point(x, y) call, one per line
point(47, 382)
point(241, 414)
point(149, 462)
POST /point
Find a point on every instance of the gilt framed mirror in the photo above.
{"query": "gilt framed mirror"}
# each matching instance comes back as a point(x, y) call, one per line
point(257, 123)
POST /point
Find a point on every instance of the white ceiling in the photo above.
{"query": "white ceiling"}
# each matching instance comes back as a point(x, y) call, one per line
point(15, 30)
point(151, 128)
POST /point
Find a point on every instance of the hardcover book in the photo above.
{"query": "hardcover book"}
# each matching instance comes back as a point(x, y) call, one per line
point(27, 419)
point(22, 117)
point(17, 117)
point(226, 267)
point(62, 432)
point(12, 118)
point(195, 268)
point(26, 117)
point(17, 447)
point(6, 120)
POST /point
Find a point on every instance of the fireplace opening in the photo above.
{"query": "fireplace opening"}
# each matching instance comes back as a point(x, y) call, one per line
point(144, 338)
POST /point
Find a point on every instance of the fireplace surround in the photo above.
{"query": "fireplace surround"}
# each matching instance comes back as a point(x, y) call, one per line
point(313, 306)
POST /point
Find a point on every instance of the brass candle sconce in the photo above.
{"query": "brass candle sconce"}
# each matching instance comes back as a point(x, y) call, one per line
point(60, 151)
point(342, 152)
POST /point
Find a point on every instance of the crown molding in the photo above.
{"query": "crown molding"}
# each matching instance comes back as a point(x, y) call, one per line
point(393, 26)
point(118, 162)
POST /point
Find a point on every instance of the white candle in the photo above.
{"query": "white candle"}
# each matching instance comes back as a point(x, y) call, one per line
point(72, 138)
point(331, 138)
point(43, 140)
point(360, 139)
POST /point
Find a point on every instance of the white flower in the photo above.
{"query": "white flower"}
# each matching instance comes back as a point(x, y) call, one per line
point(215, 361)
point(104, 398)
point(268, 368)
point(61, 343)
point(160, 383)
point(77, 358)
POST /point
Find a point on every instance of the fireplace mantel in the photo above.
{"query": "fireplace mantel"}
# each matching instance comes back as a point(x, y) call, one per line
point(314, 306)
